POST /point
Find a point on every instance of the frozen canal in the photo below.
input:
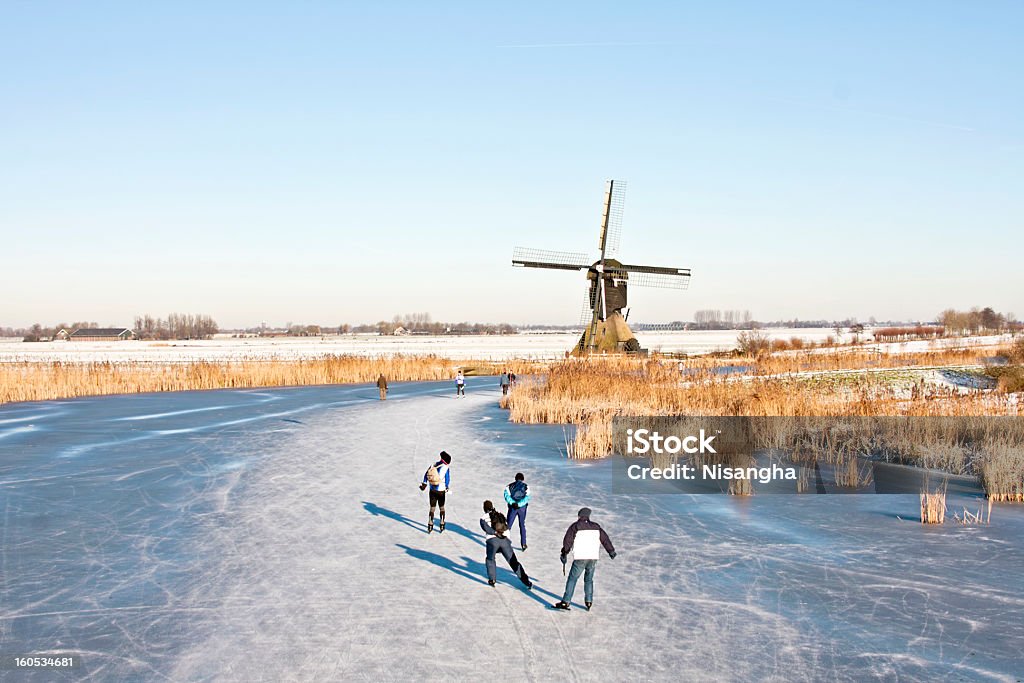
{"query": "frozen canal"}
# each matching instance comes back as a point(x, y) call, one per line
point(278, 535)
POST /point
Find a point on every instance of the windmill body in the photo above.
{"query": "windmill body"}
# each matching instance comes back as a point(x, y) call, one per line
point(607, 281)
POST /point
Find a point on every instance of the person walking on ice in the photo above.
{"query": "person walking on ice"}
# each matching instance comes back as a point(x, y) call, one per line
point(583, 539)
point(382, 385)
point(438, 477)
point(504, 383)
point(495, 527)
point(460, 384)
point(517, 495)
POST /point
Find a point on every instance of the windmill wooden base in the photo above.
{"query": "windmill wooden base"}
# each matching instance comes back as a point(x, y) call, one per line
point(610, 336)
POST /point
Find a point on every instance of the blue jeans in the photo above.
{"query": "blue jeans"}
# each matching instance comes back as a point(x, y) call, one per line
point(521, 514)
point(587, 568)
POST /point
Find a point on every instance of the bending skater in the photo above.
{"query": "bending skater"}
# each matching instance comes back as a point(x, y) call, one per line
point(495, 527)
point(439, 478)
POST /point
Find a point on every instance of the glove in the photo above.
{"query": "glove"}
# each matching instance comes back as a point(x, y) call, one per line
point(514, 506)
point(562, 557)
point(423, 487)
point(612, 555)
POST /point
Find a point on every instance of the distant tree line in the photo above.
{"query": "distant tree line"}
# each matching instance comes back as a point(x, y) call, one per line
point(176, 326)
point(410, 323)
point(38, 332)
point(714, 319)
point(978, 321)
point(421, 323)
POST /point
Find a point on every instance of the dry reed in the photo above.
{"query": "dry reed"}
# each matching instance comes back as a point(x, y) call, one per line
point(589, 393)
point(933, 507)
point(27, 381)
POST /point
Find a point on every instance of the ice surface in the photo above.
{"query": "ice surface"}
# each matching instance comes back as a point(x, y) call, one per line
point(279, 535)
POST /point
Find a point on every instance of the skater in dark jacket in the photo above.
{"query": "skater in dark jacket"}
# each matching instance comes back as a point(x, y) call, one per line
point(517, 495)
point(495, 527)
point(584, 540)
point(439, 478)
point(504, 382)
point(382, 386)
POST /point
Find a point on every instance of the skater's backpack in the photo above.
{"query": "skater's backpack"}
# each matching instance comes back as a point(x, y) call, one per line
point(517, 490)
point(499, 523)
point(433, 476)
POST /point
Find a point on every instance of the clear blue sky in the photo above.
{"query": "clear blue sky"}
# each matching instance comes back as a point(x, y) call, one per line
point(343, 162)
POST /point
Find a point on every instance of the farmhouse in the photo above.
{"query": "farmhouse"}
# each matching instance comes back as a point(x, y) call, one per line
point(102, 334)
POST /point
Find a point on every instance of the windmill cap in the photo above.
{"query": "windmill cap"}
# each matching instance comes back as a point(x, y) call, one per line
point(445, 458)
point(584, 513)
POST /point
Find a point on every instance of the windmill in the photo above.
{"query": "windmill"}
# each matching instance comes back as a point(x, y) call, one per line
point(607, 280)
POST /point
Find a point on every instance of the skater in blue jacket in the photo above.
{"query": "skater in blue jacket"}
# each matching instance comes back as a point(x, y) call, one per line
point(517, 495)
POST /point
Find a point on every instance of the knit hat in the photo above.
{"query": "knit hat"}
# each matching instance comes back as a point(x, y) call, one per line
point(445, 458)
point(584, 513)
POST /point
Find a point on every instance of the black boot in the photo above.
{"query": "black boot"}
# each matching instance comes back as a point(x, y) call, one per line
point(430, 524)
point(588, 604)
point(441, 528)
point(490, 582)
point(561, 605)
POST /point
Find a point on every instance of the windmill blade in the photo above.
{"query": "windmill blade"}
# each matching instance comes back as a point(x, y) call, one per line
point(587, 312)
point(543, 258)
point(611, 218)
point(654, 276)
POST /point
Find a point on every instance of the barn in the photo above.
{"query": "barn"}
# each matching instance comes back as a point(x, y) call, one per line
point(102, 334)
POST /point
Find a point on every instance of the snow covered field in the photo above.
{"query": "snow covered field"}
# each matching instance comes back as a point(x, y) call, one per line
point(527, 345)
point(268, 535)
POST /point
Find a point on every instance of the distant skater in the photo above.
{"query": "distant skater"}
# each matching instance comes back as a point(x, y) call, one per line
point(382, 386)
point(495, 527)
point(584, 540)
point(512, 379)
point(517, 495)
point(460, 384)
point(439, 478)
point(504, 383)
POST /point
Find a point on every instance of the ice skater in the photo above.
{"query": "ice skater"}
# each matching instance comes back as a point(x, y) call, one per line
point(583, 539)
point(517, 495)
point(439, 478)
point(382, 386)
point(504, 383)
point(495, 527)
point(460, 384)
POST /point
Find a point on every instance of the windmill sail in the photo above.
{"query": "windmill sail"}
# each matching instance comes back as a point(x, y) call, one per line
point(653, 276)
point(611, 218)
point(544, 258)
